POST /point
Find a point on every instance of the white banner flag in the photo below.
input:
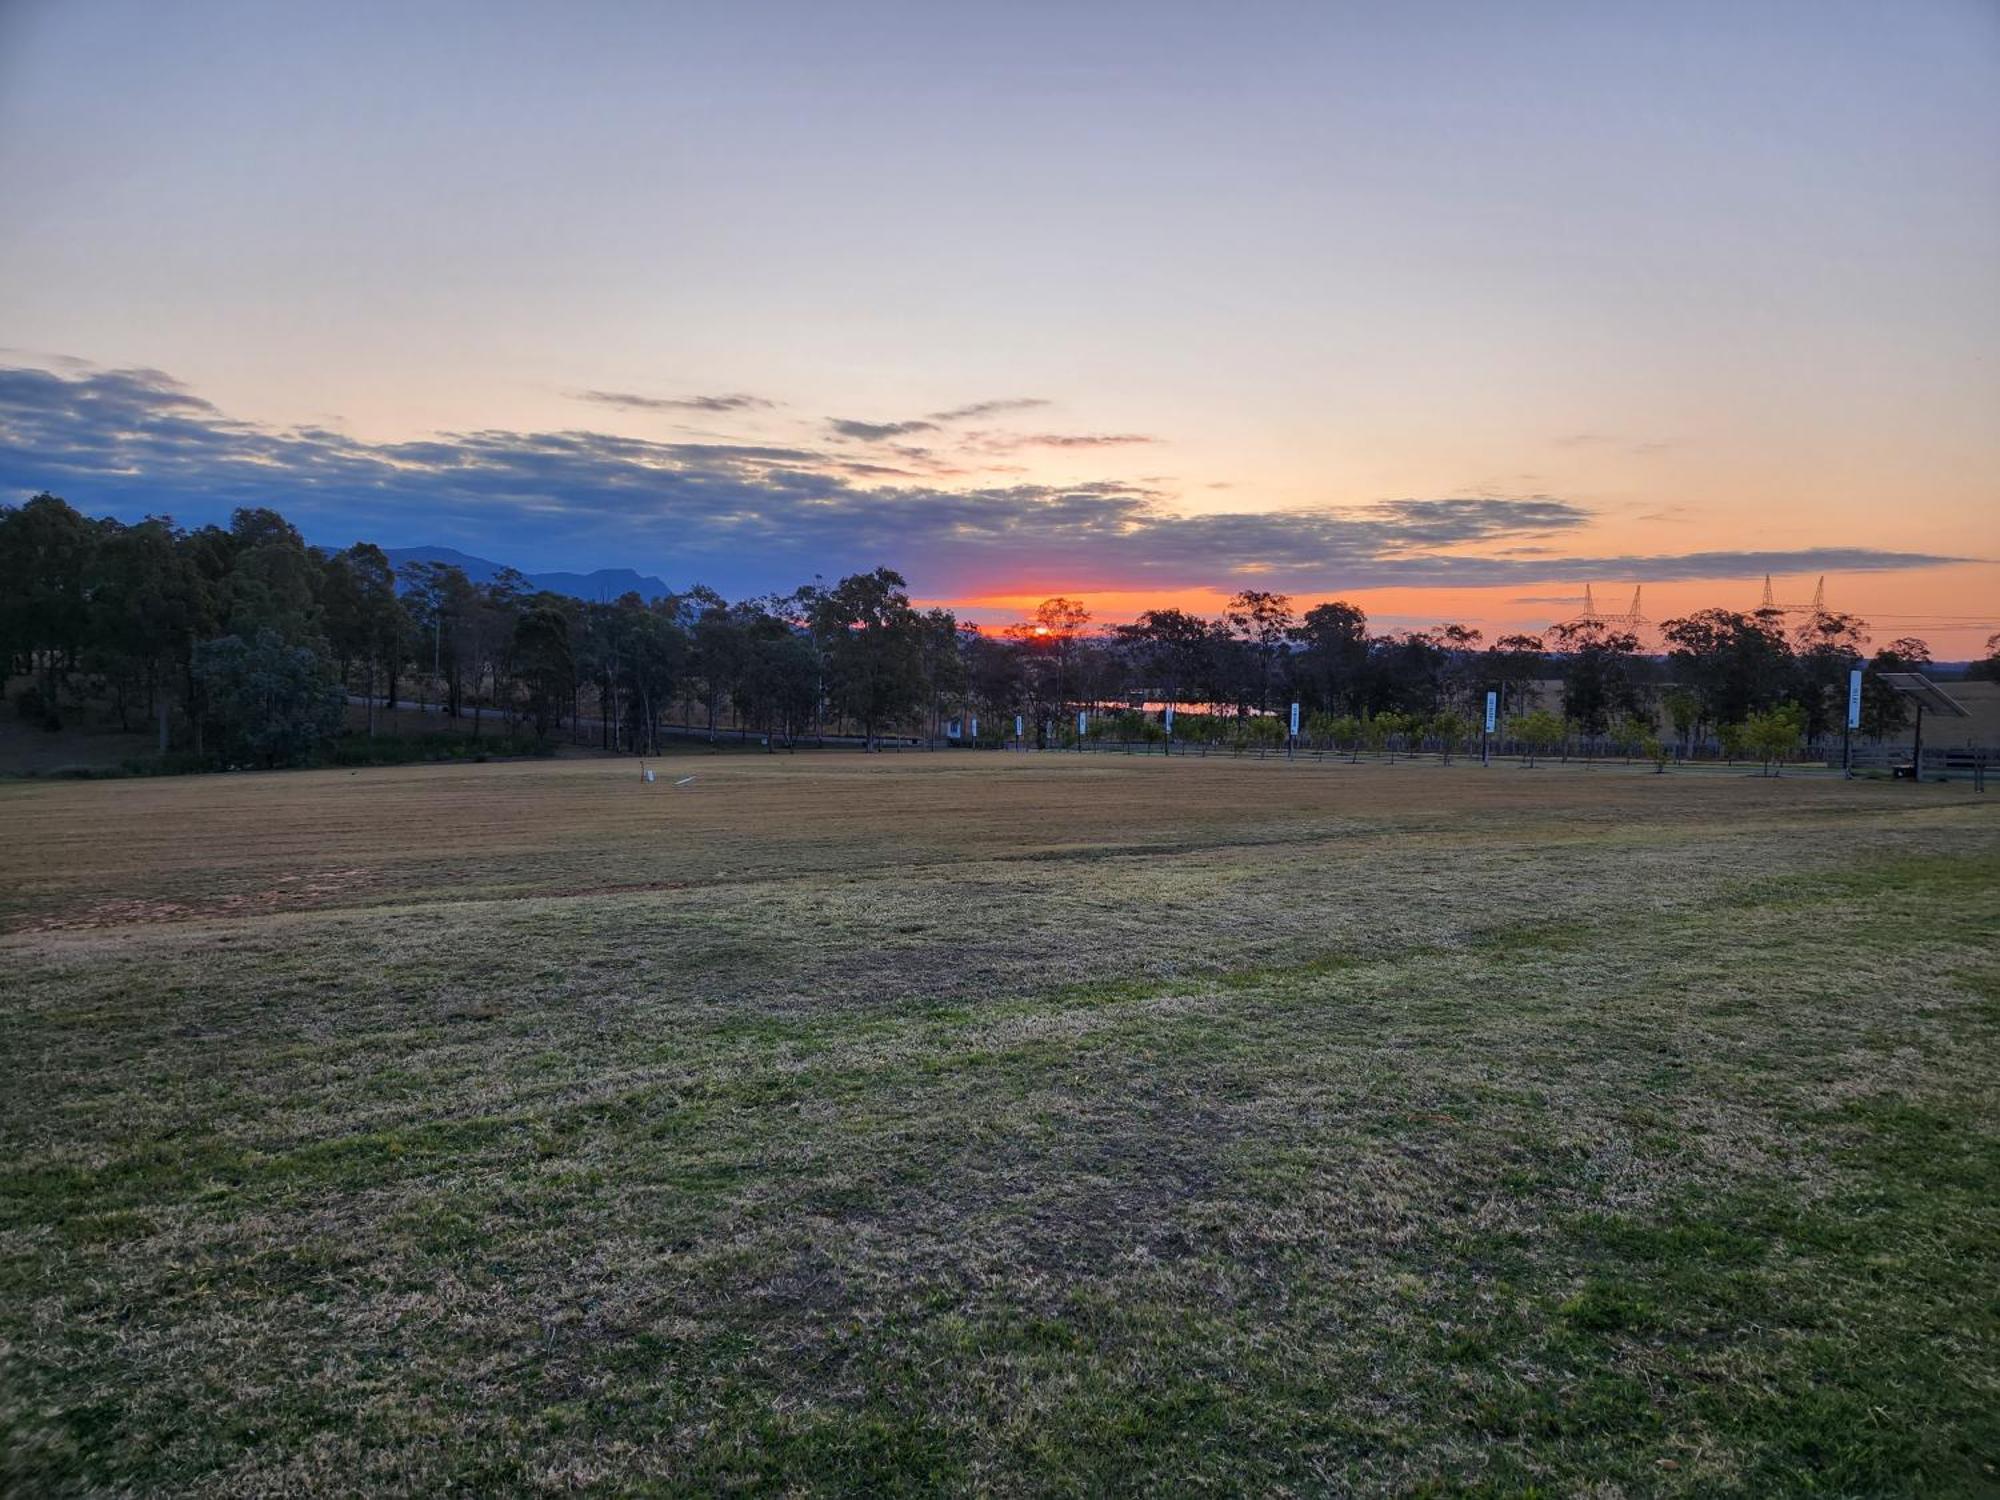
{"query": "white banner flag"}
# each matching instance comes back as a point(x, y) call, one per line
point(1854, 699)
point(1492, 707)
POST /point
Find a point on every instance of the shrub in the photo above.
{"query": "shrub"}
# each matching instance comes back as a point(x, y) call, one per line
point(272, 704)
point(36, 707)
point(1773, 735)
point(1541, 731)
point(396, 750)
point(1450, 730)
point(1261, 729)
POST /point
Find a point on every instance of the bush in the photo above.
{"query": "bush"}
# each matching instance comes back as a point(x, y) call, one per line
point(1262, 730)
point(353, 750)
point(1540, 731)
point(397, 750)
point(1377, 730)
point(1734, 740)
point(271, 703)
point(1450, 730)
point(1347, 731)
point(1774, 735)
point(1198, 729)
point(174, 763)
point(1128, 725)
point(36, 707)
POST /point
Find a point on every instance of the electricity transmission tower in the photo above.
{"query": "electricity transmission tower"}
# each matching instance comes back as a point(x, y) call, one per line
point(1814, 609)
point(1631, 619)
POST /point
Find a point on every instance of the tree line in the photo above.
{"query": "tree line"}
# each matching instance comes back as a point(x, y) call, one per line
point(243, 644)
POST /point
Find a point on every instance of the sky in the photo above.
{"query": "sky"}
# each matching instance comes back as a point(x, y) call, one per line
point(1447, 309)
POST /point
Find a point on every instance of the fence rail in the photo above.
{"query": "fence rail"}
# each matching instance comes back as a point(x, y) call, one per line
point(1941, 763)
point(1952, 764)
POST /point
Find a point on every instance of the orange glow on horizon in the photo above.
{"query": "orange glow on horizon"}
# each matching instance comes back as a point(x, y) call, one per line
point(1953, 608)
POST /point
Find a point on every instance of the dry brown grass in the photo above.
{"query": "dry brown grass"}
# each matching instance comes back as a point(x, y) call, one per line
point(442, 833)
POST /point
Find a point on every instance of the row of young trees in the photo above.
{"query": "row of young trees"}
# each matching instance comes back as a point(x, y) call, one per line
point(1721, 673)
point(244, 642)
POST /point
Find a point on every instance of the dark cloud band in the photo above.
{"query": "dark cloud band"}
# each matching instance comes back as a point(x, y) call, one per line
point(748, 517)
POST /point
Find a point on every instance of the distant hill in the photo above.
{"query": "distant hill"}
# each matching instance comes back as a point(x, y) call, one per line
point(605, 583)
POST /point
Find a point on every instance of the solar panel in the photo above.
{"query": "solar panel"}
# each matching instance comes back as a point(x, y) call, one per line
point(1920, 689)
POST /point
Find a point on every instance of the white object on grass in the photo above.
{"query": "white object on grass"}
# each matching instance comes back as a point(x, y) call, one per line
point(685, 781)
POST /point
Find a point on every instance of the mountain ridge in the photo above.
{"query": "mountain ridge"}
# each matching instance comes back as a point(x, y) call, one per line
point(598, 584)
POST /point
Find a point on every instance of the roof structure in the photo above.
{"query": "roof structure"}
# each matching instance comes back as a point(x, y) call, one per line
point(1925, 693)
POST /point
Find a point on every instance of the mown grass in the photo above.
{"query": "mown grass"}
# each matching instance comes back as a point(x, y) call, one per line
point(1419, 1136)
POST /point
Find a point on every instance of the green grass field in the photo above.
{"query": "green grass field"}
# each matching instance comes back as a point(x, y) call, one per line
point(1013, 1124)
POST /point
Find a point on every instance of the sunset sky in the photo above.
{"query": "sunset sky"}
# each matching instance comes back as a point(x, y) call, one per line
point(1449, 309)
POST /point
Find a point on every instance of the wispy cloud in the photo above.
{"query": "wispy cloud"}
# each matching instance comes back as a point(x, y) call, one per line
point(628, 401)
point(857, 430)
point(875, 432)
point(988, 408)
point(751, 516)
point(1070, 440)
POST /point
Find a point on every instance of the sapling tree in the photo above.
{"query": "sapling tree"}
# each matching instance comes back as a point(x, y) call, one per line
point(1539, 731)
point(1684, 711)
point(1450, 730)
point(1773, 735)
point(1348, 731)
point(1378, 728)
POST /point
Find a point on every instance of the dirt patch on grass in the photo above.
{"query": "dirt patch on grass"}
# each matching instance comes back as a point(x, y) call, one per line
point(289, 893)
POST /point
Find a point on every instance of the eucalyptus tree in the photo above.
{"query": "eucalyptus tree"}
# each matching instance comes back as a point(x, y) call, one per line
point(1332, 656)
point(273, 581)
point(1826, 648)
point(545, 662)
point(1884, 711)
point(1603, 677)
point(1735, 664)
point(1173, 653)
point(1511, 663)
point(1264, 622)
point(778, 690)
point(365, 621)
point(442, 603)
point(873, 644)
point(148, 606)
point(46, 549)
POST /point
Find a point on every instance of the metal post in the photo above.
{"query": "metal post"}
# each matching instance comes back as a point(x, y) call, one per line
point(1853, 718)
point(1917, 760)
